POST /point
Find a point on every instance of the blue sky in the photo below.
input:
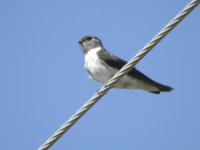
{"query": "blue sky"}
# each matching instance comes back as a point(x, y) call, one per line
point(43, 82)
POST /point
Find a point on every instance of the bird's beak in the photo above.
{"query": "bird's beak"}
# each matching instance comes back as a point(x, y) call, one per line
point(81, 46)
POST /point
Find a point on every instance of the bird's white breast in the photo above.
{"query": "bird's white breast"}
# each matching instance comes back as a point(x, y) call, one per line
point(94, 66)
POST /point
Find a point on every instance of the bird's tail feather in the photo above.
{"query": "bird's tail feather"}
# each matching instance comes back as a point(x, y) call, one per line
point(161, 88)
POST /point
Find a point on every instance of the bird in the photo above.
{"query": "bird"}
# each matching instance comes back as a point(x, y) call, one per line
point(103, 65)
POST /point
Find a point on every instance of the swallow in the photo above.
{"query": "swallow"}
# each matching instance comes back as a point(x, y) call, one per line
point(102, 66)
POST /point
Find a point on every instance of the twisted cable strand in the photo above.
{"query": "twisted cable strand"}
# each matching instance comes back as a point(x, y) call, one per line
point(105, 88)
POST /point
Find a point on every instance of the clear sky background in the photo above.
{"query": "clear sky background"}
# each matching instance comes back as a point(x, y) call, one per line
point(43, 81)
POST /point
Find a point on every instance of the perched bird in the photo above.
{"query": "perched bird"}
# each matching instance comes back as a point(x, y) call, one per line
point(102, 66)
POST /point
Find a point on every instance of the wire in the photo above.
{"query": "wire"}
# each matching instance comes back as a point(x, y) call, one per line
point(105, 88)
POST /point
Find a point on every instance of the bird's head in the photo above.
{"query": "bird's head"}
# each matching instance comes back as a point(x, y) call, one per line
point(89, 42)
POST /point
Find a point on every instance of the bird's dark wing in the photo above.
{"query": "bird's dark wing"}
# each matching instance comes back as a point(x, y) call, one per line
point(117, 63)
point(111, 60)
